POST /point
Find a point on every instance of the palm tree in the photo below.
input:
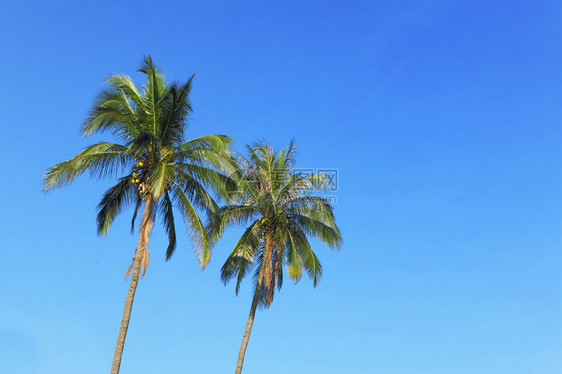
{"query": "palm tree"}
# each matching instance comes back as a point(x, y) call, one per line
point(276, 204)
point(158, 168)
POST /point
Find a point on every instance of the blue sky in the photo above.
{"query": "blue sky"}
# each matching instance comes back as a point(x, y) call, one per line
point(450, 185)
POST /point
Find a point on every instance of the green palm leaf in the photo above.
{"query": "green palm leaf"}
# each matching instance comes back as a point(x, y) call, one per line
point(100, 160)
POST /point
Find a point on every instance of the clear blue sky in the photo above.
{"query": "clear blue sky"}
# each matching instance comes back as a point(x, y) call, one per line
point(450, 185)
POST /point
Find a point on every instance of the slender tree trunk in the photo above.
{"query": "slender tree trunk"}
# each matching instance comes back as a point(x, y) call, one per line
point(145, 227)
point(267, 251)
point(247, 332)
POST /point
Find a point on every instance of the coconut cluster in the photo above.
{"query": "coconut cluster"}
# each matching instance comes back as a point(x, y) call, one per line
point(135, 176)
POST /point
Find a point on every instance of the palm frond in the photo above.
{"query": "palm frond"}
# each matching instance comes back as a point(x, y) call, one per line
point(197, 148)
point(113, 201)
point(101, 160)
point(313, 207)
point(124, 83)
point(309, 260)
point(197, 193)
point(293, 260)
point(160, 178)
point(112, 112)
point(194, 224)
point(328, 234)
point(153, 92)
point(144, 146)
point(229, 215)
point(166, 210)
point(175, 111)
point(298, 185)
point(244, 253)
point(138, 203)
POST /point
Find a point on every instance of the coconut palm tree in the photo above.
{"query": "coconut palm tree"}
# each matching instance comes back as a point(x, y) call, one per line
point(156, 168)
point(276, 204)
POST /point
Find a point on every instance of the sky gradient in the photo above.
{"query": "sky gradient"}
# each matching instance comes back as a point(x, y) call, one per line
point(449, 157)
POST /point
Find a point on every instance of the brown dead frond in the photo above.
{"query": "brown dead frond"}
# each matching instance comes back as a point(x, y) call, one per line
point(128, 271)
point(144, 262)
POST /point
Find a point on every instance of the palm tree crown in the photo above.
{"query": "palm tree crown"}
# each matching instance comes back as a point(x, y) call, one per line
point(157, 165)
point(276, 203)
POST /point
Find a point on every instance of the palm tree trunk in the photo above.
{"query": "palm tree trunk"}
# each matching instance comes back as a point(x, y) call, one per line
point(267, 251)
point(247, 332)
point(145, 227)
